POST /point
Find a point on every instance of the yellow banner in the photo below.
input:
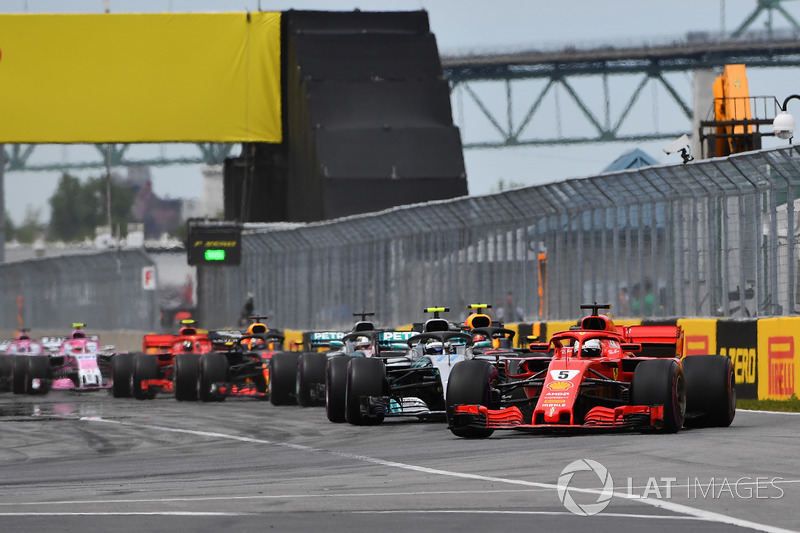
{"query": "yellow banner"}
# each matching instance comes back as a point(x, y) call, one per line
point(778, 359)
point(699, 335)
point(187, 77)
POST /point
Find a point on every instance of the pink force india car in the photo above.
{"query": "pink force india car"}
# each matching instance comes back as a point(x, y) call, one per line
point(24, 357)
point(78, 364)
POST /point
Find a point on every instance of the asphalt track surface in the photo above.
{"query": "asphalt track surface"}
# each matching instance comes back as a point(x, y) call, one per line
point(92, 463)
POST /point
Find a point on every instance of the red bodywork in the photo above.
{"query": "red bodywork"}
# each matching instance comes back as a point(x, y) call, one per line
point(165, 347)
point(569, 389)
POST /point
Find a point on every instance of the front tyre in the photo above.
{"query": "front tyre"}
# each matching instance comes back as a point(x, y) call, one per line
point(282, 378)
point(310, 375)
point(122, 375)
point(710, 391)
point(39, 375)
point(214, 371)
point(661, 382)
point(469, 384)
point(186, 374)
point(6, 372)
point(336, 388)
point(145, 367)
point(18, 374)
point(365, 379)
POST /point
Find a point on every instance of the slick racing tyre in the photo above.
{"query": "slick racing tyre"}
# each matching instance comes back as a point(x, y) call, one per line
point(214, 371)
point(661, 382)
point(122, 375)
point(310, 375)
point(18, 377)
point(336, 388)
point(365, 379)
point(469, 384)
point(145, 366)
point(282, 378)
point(186, 373)
point(710, 391)
point(6, 370)
point(39, 374)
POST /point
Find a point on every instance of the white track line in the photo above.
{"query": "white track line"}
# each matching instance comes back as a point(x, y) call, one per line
point(790, 413)
point(660, 504)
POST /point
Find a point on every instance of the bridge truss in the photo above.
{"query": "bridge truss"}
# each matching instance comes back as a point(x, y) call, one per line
point(532, 97)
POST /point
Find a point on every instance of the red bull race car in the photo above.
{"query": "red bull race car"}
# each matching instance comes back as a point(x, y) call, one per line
point(596, 376)
point(238, 365)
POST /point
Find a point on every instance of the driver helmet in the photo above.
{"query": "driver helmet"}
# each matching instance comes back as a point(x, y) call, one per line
point(591, 348)
point(258, 343)
point(363, 343)
point(434, 348)
point(188, 346)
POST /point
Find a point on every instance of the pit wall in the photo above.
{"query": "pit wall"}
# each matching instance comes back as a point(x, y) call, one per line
point(765, 352)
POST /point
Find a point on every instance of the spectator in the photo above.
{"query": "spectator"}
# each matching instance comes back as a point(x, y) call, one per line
point(247, 310)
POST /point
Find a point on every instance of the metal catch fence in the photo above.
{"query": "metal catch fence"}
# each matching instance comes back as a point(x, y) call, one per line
point(105, 290)
point(714, 238)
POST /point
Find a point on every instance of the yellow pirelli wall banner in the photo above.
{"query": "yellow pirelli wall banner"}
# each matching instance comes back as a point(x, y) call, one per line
point(778, 360)
point(699, 335)
point(170, 77)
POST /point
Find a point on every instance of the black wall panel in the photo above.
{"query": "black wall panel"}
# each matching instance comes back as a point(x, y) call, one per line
point(347, 104)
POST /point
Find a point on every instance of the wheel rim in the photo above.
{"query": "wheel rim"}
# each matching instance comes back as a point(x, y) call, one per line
point(680, 396)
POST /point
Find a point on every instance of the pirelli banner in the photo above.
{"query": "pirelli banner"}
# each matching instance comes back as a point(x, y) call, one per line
point(778, 358)
point(136, 78)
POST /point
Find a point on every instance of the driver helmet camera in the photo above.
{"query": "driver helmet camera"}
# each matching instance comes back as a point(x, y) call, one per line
point(591, 348)
point(434, 348)
point(363, 343)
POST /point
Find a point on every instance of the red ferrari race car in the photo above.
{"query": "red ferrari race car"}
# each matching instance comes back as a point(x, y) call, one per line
point(143, 375)
point(596, 376)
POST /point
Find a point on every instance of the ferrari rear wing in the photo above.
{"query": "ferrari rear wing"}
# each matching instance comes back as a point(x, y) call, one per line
point(656, 340)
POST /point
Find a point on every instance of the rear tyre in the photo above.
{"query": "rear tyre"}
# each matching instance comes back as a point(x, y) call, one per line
point(710, 391)
point(282, 378)
point(336, 388)
point(661, 382)
point(469, 384)
point(365, 379)
point(145, 367)
point(214, 370)
point(186, 374)
point(310, 374)
point(39, 375)
point(18, 377)
point(122, 375)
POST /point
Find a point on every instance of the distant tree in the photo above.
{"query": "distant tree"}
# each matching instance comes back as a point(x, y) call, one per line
point(11, 229)
point(121, 201)
point(77, 209)
point(74, 211)
point(32, 227)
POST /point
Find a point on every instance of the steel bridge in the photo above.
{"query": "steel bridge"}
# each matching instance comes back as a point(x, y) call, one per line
point(521, 98)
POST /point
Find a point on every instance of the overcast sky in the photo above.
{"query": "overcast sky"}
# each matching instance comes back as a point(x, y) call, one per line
point(463, 26)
